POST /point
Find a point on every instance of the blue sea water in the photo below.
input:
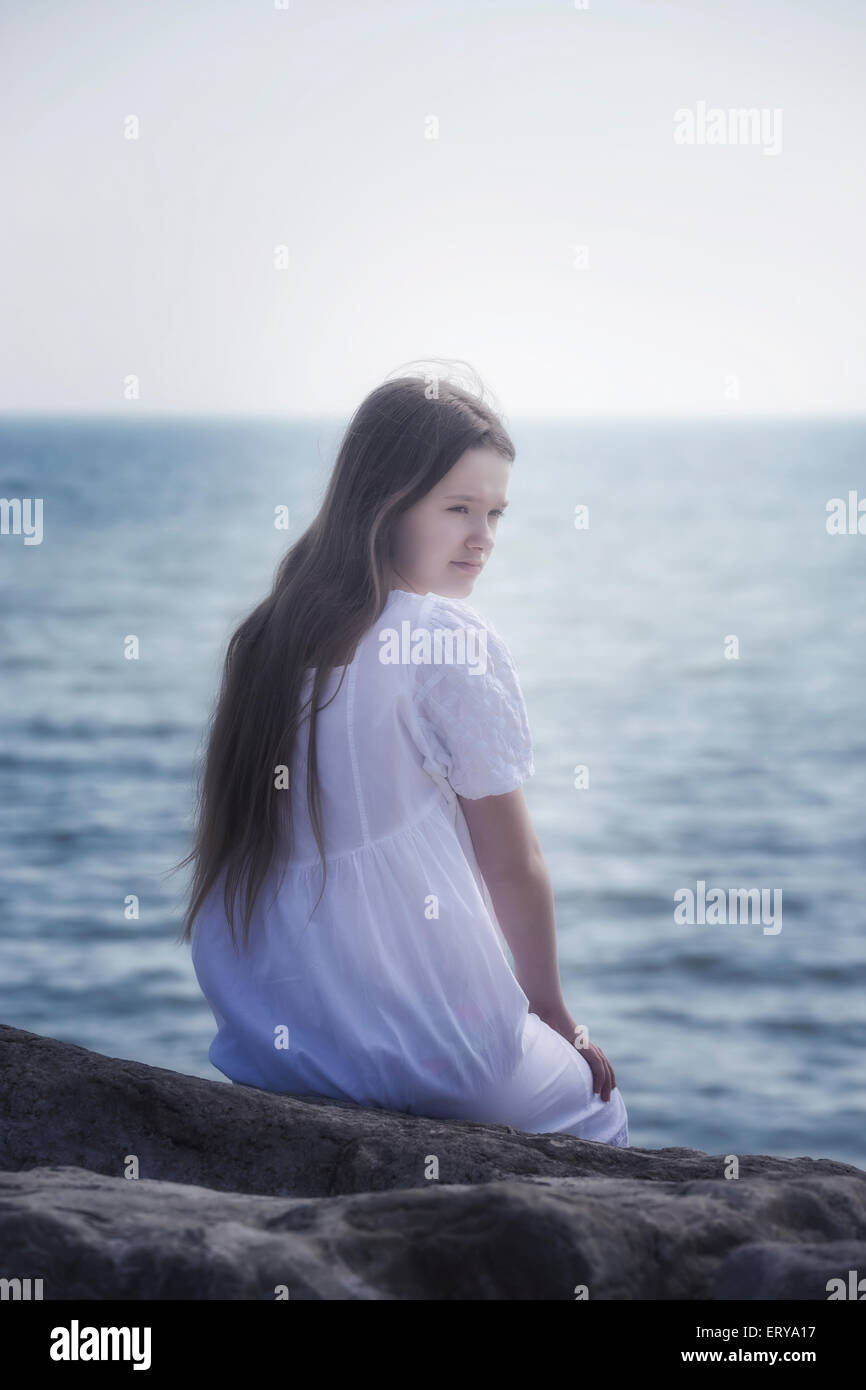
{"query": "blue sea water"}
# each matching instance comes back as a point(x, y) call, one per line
point(741, 772)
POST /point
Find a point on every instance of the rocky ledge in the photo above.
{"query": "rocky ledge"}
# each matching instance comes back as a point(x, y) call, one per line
point(124, 1181)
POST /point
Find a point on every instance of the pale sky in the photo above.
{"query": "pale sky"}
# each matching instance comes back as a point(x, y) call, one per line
point(719, 279)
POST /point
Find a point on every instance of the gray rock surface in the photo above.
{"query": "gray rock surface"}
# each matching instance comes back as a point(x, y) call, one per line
point(776, 1270)
point(239, 1191)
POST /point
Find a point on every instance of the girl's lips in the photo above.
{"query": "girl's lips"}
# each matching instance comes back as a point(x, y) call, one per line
point(467, 565)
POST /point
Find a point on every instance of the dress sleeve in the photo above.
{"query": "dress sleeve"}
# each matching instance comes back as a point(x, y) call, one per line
point(471, 713)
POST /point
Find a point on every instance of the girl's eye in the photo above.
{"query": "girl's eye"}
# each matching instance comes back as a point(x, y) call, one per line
point(497, 511)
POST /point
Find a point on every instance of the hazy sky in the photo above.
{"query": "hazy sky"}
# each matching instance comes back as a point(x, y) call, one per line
point(719, 278)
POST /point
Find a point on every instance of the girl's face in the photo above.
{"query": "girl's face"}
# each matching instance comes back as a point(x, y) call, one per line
point(444, 541)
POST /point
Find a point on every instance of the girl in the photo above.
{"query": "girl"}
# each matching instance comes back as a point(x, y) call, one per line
point(362, 800)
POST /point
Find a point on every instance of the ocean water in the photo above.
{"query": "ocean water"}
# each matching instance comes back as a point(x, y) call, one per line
point(739, 771)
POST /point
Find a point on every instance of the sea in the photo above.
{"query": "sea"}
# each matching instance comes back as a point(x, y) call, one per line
point(687, 616)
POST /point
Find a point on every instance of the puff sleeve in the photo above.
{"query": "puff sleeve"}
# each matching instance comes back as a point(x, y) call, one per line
point(471, 713)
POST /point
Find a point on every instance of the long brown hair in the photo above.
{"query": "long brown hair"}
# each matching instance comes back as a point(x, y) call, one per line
point(328, 590)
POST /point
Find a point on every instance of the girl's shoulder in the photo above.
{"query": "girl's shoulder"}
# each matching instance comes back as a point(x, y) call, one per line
point(447, 637)
point(454, 611)
point(468, 700)
point(432, 610)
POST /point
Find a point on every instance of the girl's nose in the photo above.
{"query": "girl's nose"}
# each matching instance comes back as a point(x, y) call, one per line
point(482, 534)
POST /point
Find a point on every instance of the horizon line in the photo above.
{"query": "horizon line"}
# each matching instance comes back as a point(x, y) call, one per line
point(551, 417)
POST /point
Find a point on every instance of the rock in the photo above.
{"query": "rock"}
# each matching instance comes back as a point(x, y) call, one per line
point(64, 1105)
point(776, 1270)
point(88, 1236)
point(239, 1191)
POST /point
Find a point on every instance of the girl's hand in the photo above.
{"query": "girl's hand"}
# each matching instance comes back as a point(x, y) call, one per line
point(561, 1021)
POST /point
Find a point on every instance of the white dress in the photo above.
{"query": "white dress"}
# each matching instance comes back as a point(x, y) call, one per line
point(398, 993)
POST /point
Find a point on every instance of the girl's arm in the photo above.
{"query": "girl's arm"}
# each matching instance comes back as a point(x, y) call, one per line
point(512, 864)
